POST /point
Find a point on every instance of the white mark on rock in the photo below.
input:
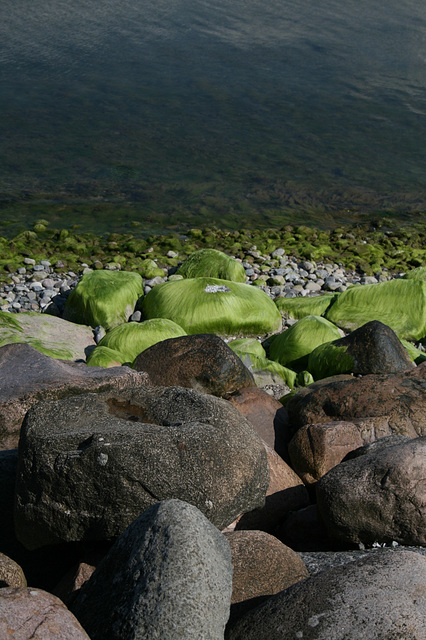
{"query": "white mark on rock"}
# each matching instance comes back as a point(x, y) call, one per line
point(315, 620)
point(102, 459)
point(216, 288)
point(299, 634)
point(209, 504)
point(33, 593)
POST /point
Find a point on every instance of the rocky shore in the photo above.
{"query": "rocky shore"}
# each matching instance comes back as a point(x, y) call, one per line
point(165, 491)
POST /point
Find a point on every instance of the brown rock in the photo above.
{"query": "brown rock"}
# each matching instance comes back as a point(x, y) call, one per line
point(286, 492)
point(33, 614)
point(317, 448)
point(399, 399)
point(262, 566)
point(73, 581)
point(203, 362)
point(27, 376)
point(268, 416)
point(11, 574)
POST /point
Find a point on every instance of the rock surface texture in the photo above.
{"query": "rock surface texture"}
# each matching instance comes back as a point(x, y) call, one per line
point(203, 362)
point(33, 614)
point(381, 597)
point(89, 465)
point(27, 376)
point(377, 497)
point(168, 576)
point(399, 400)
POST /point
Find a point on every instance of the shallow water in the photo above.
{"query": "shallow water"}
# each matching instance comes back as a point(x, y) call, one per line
point(255, 112)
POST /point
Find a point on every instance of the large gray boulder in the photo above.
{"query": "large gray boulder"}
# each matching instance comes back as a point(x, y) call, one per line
point(168, 576)
point(28, 376)
point(89, 465)
point(377, 497)
point(382, 597)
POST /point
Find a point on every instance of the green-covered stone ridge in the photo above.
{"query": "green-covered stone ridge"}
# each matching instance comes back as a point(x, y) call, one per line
point(241, 346)
point(415, 354)
point(292, 347)
point(52, 336)
point(328, 360)
point(105, 357)
point(128, 340)
point(212, 263)
point(211, 305)
point(400, 304)
point(106, 298)
point(366, 247)
point(301, 307)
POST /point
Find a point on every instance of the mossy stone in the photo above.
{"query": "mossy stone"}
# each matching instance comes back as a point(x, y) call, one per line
point(329, 360)
point(150, 269)
point(241, 346)
point(292, 347)
point(104, 357)
point(105, 298)
point(131, 338)
point(400, 304)
point(212, 263)
point(211, 305)
point(297, 308)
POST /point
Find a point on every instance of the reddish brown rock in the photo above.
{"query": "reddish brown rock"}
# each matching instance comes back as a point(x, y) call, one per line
point(286, 492)
point(317, 448)
point(11, 574)
point(33, 614)
point(268, 416)
point(27, 376)
point(262, 567)
point(73, 581)
point(399, 399)
point(203, 362)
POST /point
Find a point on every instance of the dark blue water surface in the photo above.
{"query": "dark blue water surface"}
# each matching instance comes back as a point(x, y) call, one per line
point(250, 112)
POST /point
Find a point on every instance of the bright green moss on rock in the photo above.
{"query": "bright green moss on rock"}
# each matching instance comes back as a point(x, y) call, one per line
point(211, 263)
point(105, 298)
point(131, 338)
point(241, 346)
point(150, 269)
point(300, 307)
point(52, 336)
point(105, 357)
point(400, 304)
point(292, 347)
point(416, 274)
point(329, 360)
point(415, 354)
point(267, 371)
point(211, 305)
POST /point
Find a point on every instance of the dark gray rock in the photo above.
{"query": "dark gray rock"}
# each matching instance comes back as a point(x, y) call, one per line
point(381, 597)
point(203, 362)
point(27, 376)
point(377, 497)
point(90, 464)
point(168, 576)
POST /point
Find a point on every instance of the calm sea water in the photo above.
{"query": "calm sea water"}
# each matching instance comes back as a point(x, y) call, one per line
point(250, 112)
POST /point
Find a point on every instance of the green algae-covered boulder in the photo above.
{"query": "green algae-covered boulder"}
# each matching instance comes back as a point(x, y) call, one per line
point(211, 263)
point(150, 269)
point(400, 304)
point(105, 298)
point(300, 307)
point(329, 359)
point(241, 346)
point(416, 274)
point(210, 305)
point(292, 347)
point(415, 354)
point(267, 371)
point(105, 357)
point(130, 339)
point(52, 336)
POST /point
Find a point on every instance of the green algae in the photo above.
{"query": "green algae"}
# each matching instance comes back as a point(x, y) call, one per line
point(329, 360)
point(297, 308)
